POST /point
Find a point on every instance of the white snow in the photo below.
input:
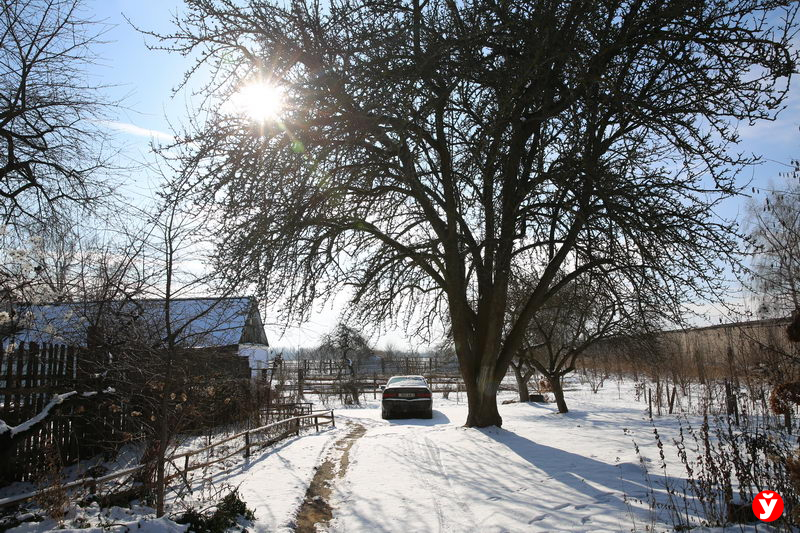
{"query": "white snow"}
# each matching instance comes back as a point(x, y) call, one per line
point(542, 471)
point(274, 485)
point(25, 426)
point(273, 482)
point(93, 519)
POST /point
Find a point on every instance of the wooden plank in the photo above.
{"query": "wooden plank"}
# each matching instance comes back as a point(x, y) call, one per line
point(70, 366)
point(59, 378)
point(3, 360)
point(52, 365)
point(18, 382)
point(7, 385)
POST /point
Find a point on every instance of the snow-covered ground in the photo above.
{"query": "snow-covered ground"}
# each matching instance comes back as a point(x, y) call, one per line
point(542, 471)
point(274, 484)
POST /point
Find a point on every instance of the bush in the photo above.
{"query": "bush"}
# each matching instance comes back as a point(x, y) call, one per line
point(229, 509)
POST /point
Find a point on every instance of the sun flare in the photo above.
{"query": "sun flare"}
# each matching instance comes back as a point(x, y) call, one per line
point(260, 101)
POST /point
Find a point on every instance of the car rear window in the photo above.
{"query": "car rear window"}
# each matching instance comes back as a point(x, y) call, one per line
point(407, 381)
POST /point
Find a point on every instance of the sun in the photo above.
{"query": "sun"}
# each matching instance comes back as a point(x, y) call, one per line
point(260, 101)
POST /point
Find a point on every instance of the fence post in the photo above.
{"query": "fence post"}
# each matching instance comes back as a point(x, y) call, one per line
point(316, 423)
point(650, 402)
point(672, 399)
point(333, 421)
point(247, 445)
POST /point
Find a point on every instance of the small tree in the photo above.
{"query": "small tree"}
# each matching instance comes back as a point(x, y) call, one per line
point(351, 348)
point(775, 243)
point(582, 314)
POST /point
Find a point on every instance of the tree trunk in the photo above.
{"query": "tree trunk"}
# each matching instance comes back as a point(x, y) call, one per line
point(522, 383)
point(558, 392)
point(482, 401)
point(162, 454)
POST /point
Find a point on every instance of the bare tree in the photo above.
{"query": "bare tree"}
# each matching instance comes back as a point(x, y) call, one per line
point(53, 143)
point(583, 313)
point(775, 243)
point(427, 147)
point(351, 348)
point(43, 261)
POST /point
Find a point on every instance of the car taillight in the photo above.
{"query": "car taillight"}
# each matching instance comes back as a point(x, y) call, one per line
point(390, 395)
point(423, 395)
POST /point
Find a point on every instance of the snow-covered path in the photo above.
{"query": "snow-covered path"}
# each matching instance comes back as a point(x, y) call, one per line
point(274, 484)
point(541, 472)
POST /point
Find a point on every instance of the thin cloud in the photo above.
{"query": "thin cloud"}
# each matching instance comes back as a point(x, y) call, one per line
point(133, 129)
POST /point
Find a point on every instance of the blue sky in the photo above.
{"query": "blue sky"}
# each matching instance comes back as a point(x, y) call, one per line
point(146, 79)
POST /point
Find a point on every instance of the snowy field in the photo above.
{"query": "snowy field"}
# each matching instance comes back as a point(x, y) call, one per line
point(542, 471)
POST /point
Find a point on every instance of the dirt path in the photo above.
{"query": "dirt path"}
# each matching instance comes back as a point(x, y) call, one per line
point(316, 508)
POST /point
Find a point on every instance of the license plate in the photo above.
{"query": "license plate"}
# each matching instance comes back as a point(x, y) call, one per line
point(406, 395)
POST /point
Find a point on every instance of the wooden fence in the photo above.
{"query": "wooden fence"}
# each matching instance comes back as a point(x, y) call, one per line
point(287, 428)
point(370, 366)
point(89, 424)
point(30, 374)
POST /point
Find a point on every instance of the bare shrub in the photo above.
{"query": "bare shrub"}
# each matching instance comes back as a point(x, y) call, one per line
point(595, 378)
point(726, 466)
point(784, 396)
point(55, 501)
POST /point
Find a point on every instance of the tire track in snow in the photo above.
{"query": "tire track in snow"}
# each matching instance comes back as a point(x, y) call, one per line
point(316, 509)
point(436, 457)
point(414, 459)
point(427, 468)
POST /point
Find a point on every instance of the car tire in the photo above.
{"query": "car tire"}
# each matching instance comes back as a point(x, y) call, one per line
point(385, 414)
point(428, 415)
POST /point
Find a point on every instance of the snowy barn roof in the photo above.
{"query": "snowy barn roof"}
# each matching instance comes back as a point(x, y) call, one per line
point(197, 322)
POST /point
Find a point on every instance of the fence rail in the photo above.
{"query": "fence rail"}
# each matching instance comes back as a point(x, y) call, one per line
point(402, 365)
point(92, 483)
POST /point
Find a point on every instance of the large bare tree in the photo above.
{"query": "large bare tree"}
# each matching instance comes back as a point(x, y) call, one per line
point(428, 146)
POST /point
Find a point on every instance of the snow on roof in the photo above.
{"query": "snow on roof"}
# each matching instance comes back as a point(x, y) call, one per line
point(197, 322)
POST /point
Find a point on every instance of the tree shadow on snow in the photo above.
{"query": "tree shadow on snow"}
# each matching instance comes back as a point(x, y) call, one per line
point(610, 417)
point(597, 480)
point(438, 418)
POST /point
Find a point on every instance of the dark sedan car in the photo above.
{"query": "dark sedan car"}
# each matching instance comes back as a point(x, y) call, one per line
point(407, 395)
